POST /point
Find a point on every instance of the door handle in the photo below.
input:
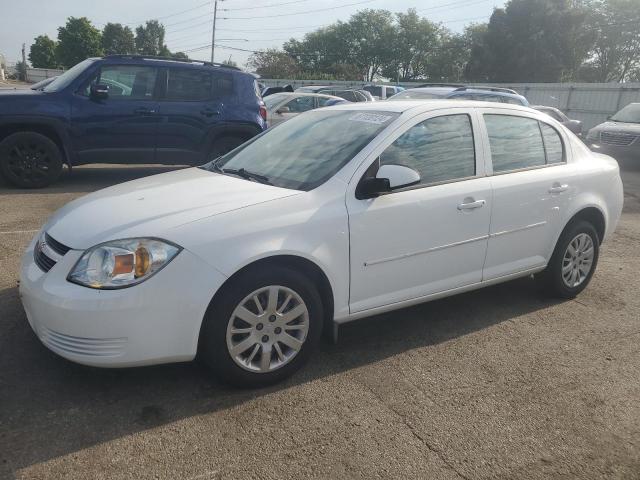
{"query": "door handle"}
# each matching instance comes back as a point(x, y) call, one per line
point(209, 112)
point(557, 188)
point(470, 204)
point(144, 111)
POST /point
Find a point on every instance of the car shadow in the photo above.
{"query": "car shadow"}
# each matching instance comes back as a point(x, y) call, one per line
point(52, 407)
point(89, 178)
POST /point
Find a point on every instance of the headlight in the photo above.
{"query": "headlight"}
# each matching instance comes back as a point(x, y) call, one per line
point(122, 263)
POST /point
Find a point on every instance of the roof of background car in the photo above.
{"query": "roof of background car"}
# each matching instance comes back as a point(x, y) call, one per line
point(401, 106)
point(435, 90)
point(302, 94)
point(541, 107)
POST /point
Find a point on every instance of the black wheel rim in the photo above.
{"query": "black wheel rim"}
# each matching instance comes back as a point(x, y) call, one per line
point(29, 162)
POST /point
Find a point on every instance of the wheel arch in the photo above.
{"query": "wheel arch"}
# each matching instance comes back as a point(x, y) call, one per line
point(47, 129)
point(592, 214)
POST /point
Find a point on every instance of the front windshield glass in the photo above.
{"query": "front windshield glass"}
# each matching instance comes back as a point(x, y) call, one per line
point(271, 101)
point(67, 77)
point(411, 95)
point(307, 150)
point(629, 114)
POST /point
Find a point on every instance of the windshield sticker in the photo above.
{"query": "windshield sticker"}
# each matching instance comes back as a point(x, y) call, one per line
point(370, 118)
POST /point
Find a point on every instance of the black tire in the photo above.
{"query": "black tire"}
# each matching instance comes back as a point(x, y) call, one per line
point(30, 160)
point(552, 278)
point(213, 350)
point(224, 145)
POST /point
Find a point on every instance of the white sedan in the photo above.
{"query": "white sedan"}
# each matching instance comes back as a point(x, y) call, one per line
point(341, 213)
point(284, 106)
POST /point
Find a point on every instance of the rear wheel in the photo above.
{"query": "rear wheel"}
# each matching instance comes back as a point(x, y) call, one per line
point(262, 327)
point(573, 261)
point(225, 145)
point(30, 160)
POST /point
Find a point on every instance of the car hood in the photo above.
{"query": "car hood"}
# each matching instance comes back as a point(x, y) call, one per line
point(619, 127)
point(154, 206)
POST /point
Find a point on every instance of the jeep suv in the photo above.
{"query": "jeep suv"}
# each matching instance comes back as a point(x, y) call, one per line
point(127, 109)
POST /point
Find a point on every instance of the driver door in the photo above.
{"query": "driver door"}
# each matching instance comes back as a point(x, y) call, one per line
point(428, 238)
point(292, 108)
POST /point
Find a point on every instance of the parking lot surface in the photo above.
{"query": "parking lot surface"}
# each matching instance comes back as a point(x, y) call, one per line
point(497, 383)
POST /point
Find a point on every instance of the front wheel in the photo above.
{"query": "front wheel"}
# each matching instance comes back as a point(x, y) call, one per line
point(262, 327)
point(30, 160)
point(573, 261)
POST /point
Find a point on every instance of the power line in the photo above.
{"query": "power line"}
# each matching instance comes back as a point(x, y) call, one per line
point(263, 6)
point(300, 13)
point(167, 16)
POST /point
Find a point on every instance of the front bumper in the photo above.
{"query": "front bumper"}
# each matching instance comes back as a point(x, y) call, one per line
point(157, 321)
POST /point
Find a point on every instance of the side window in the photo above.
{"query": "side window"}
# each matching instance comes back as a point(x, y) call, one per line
point(552, 144)
point(300, 104)
point(188, 84)
point(390, 91)
point(516, 142)
point(222, 84)
point(439, 149)
point(322, 101)
point(126, 82)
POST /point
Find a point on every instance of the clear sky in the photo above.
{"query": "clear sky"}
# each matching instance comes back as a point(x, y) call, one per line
point(188, 22)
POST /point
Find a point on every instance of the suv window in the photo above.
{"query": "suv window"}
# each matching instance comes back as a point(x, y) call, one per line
point(126, 82)
point(516, 142)
point(300, 104)
point(439, 149)
point(188, 84)
point(223, 84)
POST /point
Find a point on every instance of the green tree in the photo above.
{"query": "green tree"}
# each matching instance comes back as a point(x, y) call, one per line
point(533, 41)
point(616, 52)
point(77, 40)
point(273, 63)
point(42, 53)
point(180, 55)
point(117, 39)
point(150, 39)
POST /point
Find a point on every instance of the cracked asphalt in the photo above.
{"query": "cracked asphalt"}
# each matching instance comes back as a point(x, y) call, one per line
point(499, 383)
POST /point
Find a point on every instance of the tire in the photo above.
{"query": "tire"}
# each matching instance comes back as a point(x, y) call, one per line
point(224, 145)
point(245, 367)
point(569, 285)
point(30, 160)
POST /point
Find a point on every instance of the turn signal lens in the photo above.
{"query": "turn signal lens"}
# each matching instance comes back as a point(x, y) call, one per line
point(122, 263)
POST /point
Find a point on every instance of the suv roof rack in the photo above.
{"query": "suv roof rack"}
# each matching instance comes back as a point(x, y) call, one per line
point(172, 59)
point(423, 85)
point(490, 89)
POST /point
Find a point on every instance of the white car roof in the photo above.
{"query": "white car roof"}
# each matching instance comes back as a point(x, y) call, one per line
point(401, 106)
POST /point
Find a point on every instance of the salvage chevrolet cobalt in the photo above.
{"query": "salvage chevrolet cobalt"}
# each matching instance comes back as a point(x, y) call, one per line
point(337, 214)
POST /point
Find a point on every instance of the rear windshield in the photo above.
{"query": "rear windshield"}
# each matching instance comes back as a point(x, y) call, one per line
point(67, 77)
point(415, 95)
point(307, 150)
point(629, 114)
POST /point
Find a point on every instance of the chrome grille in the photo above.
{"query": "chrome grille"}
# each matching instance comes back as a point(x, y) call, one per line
point(618, 139)
point(48, 252)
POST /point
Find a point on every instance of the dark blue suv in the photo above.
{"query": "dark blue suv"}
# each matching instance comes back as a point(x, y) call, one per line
point(127, 109)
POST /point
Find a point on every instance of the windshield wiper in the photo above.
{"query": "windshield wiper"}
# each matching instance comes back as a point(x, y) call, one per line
point(246, 174)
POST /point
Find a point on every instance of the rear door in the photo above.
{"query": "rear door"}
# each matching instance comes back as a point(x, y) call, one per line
point(192, 105)
point(121, 128)
point(532, 184)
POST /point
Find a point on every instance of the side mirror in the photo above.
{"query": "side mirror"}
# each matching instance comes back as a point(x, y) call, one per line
point(388, 178)
point(99, 91)
point(282, 110)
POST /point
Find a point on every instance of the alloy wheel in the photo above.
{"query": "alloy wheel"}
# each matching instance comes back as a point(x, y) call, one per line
point(578, 260)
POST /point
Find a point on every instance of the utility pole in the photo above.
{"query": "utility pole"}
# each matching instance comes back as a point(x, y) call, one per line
point(213, 30)
point(24, 64)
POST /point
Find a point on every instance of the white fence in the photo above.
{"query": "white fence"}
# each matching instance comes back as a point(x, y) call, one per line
point(590, 102)
point(35, 75)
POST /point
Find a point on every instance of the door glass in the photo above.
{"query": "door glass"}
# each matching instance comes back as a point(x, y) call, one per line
point(188, 84)
point(222, 84)
point(127, 82)
point(300, 104)
point(439, 149)
point(516, 142)
point(390, 92)
point(552, 144)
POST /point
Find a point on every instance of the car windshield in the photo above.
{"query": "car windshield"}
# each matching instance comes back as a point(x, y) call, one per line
point(307, 150)
point(414, 95)
point(67, 77)
point(271, 101)
point(629, 114)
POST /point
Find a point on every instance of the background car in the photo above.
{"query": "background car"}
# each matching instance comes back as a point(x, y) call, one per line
point(382, 92)
point(349, 94)
point(127, 109)
point(489, 94)
point(284, 106)
point(271, 90)
point(312, 88)
point(619, 136)
point(423, 93)
point(574, 125)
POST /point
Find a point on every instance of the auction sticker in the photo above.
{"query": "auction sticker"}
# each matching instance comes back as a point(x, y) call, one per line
point(375, 118)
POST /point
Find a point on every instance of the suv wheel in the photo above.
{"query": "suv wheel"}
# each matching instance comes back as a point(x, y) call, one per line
point(262, 327)
point(30, 160)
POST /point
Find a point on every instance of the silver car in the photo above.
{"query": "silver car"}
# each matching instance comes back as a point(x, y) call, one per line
point(619, 136)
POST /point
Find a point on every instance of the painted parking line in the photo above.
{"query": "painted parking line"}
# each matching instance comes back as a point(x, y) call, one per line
point(16, 232)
